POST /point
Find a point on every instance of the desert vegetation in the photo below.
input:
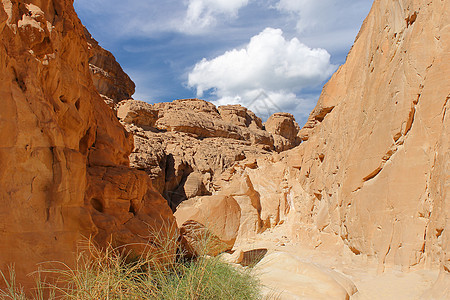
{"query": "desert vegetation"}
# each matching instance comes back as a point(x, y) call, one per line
point(113, 274)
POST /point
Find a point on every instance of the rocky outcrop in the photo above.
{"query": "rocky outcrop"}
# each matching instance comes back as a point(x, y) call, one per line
point(372, 174)
point(240, 116)
point(113, 84)
point(64, 171)
point(284, 130)
point(186, 145)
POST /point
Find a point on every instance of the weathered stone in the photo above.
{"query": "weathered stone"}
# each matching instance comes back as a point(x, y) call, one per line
point(198, 240)
point(109, 78)
point(60, 144)
point(240, 116)
point(220, 214)
point(284, 130)
point(185, 145)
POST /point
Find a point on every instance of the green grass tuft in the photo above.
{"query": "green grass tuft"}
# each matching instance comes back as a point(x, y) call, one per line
point(110, 274)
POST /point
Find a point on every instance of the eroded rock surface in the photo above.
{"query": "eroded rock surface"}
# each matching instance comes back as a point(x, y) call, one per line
point(113, 84)
point(284, 129)
point(64, 171)
point(372, 174)
point(186, 145)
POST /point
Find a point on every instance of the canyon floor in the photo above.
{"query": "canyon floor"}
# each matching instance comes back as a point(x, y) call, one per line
point(372, 284)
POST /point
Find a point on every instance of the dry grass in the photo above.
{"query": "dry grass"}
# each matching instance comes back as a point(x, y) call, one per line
point(112, 274)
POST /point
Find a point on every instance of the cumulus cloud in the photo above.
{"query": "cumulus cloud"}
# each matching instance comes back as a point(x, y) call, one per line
point(270, 69)
point(202, 14)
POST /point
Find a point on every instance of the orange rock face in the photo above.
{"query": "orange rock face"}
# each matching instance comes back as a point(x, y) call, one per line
point(64, 161)
point(186, 145)
point(113, 84)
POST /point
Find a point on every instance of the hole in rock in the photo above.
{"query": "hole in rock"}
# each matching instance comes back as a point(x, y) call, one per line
point(411, 19)
point(321, 157)
point(20, 83)
point(354, 250)
point(132, 209)
point(97, 205)
point(77, 104)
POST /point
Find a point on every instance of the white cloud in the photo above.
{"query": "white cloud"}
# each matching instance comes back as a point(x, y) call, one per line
point(324, 15)
point(269, 67)
point(151, 17)
point(201, 15)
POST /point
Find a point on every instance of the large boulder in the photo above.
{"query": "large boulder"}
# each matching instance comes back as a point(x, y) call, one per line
point(240, 116)
point(221, 215)
point(284, 130)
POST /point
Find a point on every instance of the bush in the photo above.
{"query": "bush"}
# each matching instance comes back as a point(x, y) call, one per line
point(110, 274)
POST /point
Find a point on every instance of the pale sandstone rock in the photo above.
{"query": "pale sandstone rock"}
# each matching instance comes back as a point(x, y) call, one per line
point(220, 214)
point(137, 112)
point(379, 149)
point(373, 171)
point(284, 130)
point(194, 185)
point(288, 277)
point(64, 171)
point(240, 116)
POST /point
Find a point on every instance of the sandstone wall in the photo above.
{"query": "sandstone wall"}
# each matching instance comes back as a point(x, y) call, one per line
point(113, 84)
point(377, 143)
point(63, 155)
point(373, 171)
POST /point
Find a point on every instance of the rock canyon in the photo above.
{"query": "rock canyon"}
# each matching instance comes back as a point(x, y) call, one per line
point(354, 205)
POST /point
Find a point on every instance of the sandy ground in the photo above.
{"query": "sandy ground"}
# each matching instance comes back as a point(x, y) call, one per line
point(370, 282)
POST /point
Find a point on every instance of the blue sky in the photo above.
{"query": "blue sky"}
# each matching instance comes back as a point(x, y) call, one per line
point(228, 51)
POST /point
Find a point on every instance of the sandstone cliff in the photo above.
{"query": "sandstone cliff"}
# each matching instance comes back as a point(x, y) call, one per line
point(373, 173)
point(377, 154)
point(113, 84)
point(64, 160)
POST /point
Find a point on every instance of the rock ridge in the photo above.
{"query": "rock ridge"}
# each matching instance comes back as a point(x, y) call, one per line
point(187, 144)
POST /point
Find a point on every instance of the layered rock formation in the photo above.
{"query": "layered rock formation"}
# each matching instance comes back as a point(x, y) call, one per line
point(64, 171)
point(113, 84)
point(186, 145)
